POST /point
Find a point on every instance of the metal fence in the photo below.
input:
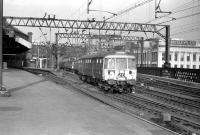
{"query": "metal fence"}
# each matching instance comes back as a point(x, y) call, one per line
point(190, 75)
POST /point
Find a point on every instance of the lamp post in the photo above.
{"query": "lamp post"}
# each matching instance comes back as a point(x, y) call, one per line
point(1, 40)
point(3, 91)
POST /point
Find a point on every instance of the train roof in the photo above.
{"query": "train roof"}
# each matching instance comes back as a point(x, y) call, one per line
point(104, 54)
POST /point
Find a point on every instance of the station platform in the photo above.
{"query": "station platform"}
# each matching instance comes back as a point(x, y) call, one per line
point(40, 107)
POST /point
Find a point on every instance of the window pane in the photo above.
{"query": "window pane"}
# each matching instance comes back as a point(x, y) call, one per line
point(121, 63)
point(131, 63)
point(182, 57)
point(109, 64)
point(163, 56)
point(194, 57)
point(176, 57)
point(188, 58)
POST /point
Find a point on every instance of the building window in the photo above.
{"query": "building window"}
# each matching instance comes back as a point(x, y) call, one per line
point(181, 66)
point(154, 56)
point(163, 56)
point(175, 66)
point(182, 57)
point(170, 57)
point(194, 66)
point(176, 57)
point(188, 58)
point(188, 66)
point(194, 57)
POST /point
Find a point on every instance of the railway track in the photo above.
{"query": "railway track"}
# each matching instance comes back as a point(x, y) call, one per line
point(184, 102)
point(145, 105)
point(159, 107)
point(170, 86)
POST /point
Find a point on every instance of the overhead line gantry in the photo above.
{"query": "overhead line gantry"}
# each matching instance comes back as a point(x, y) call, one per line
point(87, 36)
point(93, 25)
point(84, 24)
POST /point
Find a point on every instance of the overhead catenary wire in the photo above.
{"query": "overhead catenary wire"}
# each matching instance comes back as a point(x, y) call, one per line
point(182, 17)
point(186, 31)
point(177, 10)
point(185, 26)
point(79, 10)
point(43, 34)
point(129, 9)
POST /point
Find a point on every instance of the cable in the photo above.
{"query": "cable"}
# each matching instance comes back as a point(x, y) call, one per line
point(76, 11)
point(43, 34)
point(129, 9)
point(174, 10)
point(186, 26)
point(180, 18)
point(186, 31)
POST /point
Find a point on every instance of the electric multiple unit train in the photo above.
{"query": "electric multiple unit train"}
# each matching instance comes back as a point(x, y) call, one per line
point(114, 71)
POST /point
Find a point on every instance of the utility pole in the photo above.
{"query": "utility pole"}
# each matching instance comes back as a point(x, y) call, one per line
point(57, 51)
point(142, 48)
point(1, 41)
point(3, 91)
point(167, 47)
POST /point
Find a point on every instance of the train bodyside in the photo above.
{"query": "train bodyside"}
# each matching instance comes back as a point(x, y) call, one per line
point(67, 64)
point(113, 72)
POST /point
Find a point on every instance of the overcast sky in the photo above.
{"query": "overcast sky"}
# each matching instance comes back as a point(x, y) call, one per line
point(187, 25)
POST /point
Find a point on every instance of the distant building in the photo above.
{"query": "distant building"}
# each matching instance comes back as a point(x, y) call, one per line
point(183, 54)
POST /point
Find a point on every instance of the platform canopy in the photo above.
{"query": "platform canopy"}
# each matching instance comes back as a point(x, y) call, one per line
point(15, 41)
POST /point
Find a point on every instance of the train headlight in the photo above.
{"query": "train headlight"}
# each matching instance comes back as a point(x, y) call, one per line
point(111, 73)
point(131, 74)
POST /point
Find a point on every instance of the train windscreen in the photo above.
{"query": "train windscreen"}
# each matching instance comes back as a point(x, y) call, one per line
point(109, 63)
point(121, 63)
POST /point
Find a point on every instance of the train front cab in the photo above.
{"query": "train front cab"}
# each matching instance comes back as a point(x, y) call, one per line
point(120, 72)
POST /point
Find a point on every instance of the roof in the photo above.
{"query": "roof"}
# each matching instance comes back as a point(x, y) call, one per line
point(104, 54)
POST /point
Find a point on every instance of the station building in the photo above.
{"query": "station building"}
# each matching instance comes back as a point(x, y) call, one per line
point(16, 46)
point(183, 54)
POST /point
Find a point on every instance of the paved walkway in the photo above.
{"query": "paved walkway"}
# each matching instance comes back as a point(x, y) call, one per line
point(41, 107)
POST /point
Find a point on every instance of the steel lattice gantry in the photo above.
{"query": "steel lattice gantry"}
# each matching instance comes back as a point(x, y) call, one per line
point(84, 24)
point(87, 36)
point(93, 25)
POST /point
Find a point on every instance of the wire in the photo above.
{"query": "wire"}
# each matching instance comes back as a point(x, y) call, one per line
point(174, 11)
point(76, 11)
point(186, 26)
point(180, 18)
point(129, 9)
point(43, 34)
point(186, 31)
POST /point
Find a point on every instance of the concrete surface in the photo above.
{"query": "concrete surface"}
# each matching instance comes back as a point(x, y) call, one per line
point(41, 107)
